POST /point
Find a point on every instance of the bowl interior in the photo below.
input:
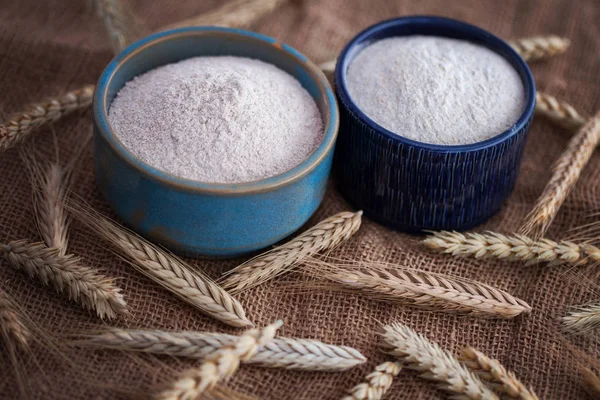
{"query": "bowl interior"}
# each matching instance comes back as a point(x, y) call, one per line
point(176, 45)
point(434, 26)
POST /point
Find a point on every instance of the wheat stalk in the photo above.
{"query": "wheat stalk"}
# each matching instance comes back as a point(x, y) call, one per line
point(514, 247)
point(591, 382)
point(437, 365)
point(377, 382)
point(20, 125)
point(219, 365)
point(83, 284)
point(239, 14)
point(325, 235)
point(566, 173)
point(423, 289)
point(559, 112)
point(583, 319)
point(493, 372)
point(167, 270)
point(540, 47)
point(12, 329)
point(288, 353)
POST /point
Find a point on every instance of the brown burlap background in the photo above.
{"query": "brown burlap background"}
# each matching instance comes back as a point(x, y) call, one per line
point(47, 47)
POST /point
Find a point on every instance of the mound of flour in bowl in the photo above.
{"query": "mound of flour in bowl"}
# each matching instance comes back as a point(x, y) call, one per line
point(217, 119)
point(436, 90)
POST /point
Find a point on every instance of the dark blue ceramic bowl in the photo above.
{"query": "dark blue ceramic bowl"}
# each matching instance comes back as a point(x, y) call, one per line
point(412, 186)
point(207, 218)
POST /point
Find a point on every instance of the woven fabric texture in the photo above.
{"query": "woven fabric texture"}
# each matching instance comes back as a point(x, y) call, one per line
point(50, 47)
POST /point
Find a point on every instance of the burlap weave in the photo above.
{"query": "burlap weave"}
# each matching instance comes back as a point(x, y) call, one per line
point(48, 47)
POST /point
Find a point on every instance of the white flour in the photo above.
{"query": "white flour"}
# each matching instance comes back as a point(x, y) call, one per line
point(436, 90)
point(217, 119)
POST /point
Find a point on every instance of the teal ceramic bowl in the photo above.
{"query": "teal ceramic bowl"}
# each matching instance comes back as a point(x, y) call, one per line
point(208, 219)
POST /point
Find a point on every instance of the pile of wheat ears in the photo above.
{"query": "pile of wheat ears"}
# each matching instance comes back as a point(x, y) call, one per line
point(164, 268)
point(464, 379)
point(219, 365)
point(50, 262)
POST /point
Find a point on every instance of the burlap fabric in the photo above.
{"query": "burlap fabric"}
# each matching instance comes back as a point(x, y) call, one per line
point(48, 47)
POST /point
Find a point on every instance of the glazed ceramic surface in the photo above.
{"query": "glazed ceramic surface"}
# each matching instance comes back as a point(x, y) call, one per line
point(413, 186)
point(206, 218)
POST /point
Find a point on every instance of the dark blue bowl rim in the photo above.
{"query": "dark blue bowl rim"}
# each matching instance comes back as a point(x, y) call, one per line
point(100, 111)
point(346, 99)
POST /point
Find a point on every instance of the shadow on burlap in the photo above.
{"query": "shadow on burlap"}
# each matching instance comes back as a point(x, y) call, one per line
point(49, 47)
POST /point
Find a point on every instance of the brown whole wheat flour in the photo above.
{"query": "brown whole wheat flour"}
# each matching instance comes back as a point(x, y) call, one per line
point(54, 46)
point(217, 119)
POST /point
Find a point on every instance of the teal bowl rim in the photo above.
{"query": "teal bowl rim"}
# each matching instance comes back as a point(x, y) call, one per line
point(100, 111)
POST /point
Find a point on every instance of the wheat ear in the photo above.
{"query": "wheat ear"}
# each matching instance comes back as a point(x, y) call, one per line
point(495, 374)
point(307, 355)
point(514, 247)
point(219, 365)
point(121, 25)
point(377, 382)
point(12, 329)
point(591, 382)
point(559, 112)
point(437, 365)
point(288, 353)
point(114, 22)
point(325, 235)
point(20, 125)
point(423, 289)
point(540, 47)
point(167, 270)
point(49, 186)
point(50, 209)
point(238, 14)
point(82, 284)
point(582, 320)
point(566, 173)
